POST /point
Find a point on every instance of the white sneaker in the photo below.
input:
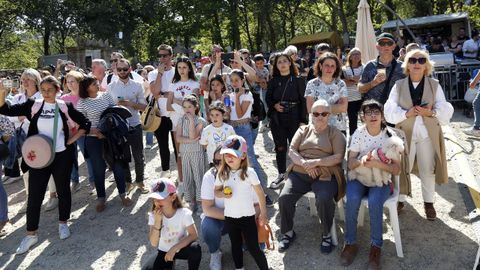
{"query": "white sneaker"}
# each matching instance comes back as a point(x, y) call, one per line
point(27, 242)
point(23, 209)
point(472, 132)
point(12, 180)
point(63, 231)
point(148, 146)
point(51, 204)
point(5, 178)
point(216, 260)
point(165, 174)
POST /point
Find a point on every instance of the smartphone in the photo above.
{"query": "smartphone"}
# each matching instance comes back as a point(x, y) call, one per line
point(424, 104)
point(226, 57)
point(7, 83)
point(15, 83)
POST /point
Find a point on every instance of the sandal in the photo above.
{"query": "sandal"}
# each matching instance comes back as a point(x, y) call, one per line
point(285, 242)
point(327, 246)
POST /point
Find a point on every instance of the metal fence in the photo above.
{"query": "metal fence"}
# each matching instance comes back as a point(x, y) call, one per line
point(455, 79)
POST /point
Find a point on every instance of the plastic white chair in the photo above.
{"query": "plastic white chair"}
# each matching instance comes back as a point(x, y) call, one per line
point(313, 212)
point(391, 204)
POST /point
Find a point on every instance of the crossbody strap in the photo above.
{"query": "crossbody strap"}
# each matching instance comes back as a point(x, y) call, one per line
point(55, 127)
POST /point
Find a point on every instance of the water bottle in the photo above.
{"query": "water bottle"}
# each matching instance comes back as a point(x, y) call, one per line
point(226, 100)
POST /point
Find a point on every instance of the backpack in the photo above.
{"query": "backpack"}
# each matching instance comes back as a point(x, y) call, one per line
point(258, 108)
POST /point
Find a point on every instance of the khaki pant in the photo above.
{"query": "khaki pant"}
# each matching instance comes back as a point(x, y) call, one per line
point(423, 151)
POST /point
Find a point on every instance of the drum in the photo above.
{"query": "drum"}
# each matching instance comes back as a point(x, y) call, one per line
point(38, 151)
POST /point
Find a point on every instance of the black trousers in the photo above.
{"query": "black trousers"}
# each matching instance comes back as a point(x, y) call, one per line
point(161, 134)
point(246, 227)
point(282, 133)
point(60, 169)
point(192, 253)
point(353, 110)
point(135, 140)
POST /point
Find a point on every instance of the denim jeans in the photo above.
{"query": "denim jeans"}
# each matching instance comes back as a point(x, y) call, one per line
point(245, 131)
point(376, 198)
point(476, 111)
point(212, 231)
point(75, 177)
point(95, 151)
point(3, 202)
point(149, 138)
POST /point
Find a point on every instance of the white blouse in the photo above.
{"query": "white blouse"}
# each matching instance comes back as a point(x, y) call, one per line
point(395, 114)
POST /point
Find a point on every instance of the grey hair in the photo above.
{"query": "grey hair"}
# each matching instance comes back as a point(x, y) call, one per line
point(100, 62)
point(320, 102)
point(34, 75)
point(290, 50)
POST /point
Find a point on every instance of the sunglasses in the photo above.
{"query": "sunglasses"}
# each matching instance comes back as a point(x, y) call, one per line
point(323, 114)
point(122, 69)
point(183, 59)
point(373, 112)
point(113, 60)
point(163, 55)
point(421, 60)
point(384, 43)
point(217, 162)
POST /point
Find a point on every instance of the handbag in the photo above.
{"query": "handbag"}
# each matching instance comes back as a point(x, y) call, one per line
point(151, 116)
point(471, 93)
point(38, 151)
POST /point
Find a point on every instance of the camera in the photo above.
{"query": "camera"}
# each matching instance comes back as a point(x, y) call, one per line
point(8, 83)
point(288, 106)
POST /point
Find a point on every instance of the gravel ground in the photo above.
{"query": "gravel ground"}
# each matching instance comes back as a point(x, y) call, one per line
point(117, 238)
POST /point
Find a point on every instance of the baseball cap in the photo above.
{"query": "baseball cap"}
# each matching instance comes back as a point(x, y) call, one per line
point(162, 188)
point(234, 145)
point(386, 36)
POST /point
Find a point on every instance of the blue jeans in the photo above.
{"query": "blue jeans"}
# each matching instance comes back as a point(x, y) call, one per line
point(376, 198)
point(75, 177)
point(212, 231)
point(95, 151)
point(149, 138)
point(476, 111)
point(245, 131)
point(3, 202)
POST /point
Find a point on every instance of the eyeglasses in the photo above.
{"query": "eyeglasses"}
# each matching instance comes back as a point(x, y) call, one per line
point(372, 112)
point(384, 43)
point(122, 69)
point(113, 60)
point(323, 114)
point(216, 162)
point(421, 60)
point(163, 55)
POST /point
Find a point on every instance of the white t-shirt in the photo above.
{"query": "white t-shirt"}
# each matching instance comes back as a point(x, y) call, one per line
point(173, 229)
point(245, 97)
point(20, 99)
point(181, 89)
point(136, 77)
point(166, 81)
point(362, 142)
point(212, 137)
point(45, 125)
point(241, 202)
point(208, 190)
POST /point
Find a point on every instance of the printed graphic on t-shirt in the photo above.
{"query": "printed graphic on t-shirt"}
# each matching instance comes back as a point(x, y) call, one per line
point(47, 113)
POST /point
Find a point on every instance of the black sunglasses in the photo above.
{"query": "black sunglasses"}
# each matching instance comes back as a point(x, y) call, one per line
point(384, 43)
point(413, 61)
point(122, 69)
point(216, 162)
point(163, 55)
point(113, 60)
point(323, 114)
point(183, 59)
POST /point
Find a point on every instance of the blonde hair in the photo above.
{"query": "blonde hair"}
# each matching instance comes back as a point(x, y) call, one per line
point(224, 170)
point(34, 75)
point(78, 76)
point(428, 65)
point(348, 62)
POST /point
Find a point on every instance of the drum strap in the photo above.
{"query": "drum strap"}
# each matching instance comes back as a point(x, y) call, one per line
point(55, 127)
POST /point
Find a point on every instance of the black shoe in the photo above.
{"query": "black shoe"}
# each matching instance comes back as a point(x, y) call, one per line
point(268, 201)
point(278, 182)
point(285, 242)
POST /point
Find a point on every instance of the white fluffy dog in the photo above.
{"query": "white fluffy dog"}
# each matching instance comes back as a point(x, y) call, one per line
point(392, 150)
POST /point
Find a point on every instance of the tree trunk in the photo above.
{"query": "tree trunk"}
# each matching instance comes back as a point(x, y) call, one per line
point(216, 34)
point(46, 39)
point(247, 28)
point(234, 25)
point(271, 33)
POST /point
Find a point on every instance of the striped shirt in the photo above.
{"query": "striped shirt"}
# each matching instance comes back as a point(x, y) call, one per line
point(185, 123)
point(93, 108)
point(349, 72)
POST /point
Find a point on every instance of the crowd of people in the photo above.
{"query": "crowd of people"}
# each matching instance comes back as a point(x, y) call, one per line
point(212, 119)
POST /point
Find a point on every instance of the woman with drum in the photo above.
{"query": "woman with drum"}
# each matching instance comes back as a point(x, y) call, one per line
point(50, 123)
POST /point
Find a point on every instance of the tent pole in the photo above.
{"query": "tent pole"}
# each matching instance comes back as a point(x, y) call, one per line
point(398, 18)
